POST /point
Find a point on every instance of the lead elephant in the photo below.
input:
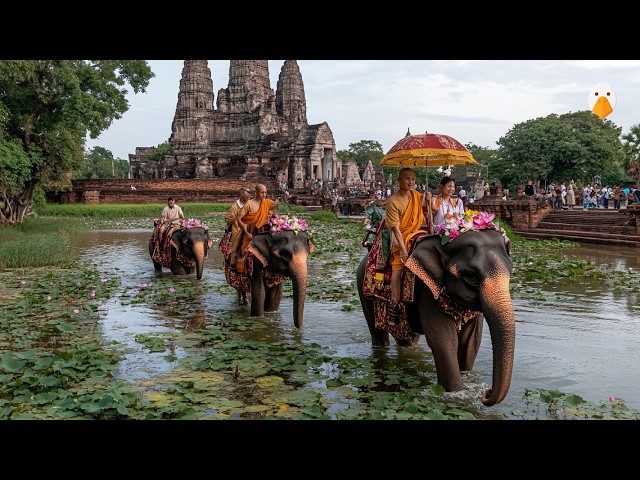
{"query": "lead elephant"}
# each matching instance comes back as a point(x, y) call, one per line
point(186, 249)
point(469, 274)
point(276, 257)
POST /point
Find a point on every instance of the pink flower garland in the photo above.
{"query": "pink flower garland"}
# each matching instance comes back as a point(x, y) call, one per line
point(193, 222)
point(281, 223)
point(458, 224)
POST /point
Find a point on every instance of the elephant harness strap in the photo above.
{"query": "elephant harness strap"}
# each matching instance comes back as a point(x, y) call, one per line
point(459, 314)
point(270, 277)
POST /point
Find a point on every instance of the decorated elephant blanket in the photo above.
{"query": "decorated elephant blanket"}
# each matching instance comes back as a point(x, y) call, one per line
point(162, 254)
point(240, 279)
point(377, 285)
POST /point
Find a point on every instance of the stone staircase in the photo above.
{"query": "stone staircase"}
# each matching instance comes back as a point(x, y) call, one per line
point(606, 227)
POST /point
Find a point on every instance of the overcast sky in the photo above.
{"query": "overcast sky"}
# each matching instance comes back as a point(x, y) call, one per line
point(474, 101)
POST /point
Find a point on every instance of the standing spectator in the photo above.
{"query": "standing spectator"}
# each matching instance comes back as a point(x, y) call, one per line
point(617, 197)
point(346, 207)
point(463, 197)
point(570, 197)
point(557, 192)
point(334, 202)
point(605, 194)
point(586, 195)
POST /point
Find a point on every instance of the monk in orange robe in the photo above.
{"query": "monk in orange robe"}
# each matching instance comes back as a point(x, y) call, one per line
point(404, 217)
point(253, 216)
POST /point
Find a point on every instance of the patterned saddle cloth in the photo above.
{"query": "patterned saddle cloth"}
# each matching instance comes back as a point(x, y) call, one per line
point(377, 285)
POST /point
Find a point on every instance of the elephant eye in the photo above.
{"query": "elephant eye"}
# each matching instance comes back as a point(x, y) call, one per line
point(472, 278)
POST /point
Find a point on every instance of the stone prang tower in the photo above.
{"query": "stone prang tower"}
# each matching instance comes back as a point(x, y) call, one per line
point(251, 133)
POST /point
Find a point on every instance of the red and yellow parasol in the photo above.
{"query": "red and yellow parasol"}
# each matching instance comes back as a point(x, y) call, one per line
point(427, 150)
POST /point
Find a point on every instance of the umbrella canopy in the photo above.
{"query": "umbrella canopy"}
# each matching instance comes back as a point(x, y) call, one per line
point(427, 150)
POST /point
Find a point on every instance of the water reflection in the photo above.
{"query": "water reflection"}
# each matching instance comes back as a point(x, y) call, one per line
point(584, 341)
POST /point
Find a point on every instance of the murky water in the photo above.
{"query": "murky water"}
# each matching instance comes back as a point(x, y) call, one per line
point(587, 345)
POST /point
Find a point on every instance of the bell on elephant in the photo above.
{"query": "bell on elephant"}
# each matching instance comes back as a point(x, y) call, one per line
point(182, 248)
point(453, 281)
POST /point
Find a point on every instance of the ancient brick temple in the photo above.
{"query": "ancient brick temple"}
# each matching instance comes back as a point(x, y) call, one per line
point(252, 132)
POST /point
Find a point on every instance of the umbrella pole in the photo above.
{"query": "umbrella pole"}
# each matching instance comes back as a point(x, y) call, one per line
point(424, 197)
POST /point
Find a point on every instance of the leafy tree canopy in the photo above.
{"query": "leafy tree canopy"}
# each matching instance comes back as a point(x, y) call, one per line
point(47, 108)
point(362, 152)
point(558, 148)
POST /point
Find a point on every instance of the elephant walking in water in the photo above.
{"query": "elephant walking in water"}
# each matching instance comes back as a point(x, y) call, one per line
point(458, 284)
point(183, 249)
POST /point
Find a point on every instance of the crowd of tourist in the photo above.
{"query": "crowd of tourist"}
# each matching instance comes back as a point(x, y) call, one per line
point(566, 195)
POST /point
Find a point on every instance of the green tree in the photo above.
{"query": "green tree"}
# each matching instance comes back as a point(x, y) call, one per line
point(362, 152)
point(559, 148)
point(47, 108)
point(101, 164)
point(159, 151)
point(631, 147)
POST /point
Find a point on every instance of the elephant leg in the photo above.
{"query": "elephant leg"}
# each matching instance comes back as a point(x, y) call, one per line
point(257, 290)
point(152, 247)
point(442, 338)
point(273, 296)
point(469, 340)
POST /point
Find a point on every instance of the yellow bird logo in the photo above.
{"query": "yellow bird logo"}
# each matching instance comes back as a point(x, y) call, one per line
point(602, 100)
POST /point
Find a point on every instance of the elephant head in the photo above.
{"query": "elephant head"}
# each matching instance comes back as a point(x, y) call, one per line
point(466, 276)
point(191, 247)
point(188, 247)
point(285, 253)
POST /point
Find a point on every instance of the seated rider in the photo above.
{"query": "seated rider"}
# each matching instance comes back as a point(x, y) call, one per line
point(170, 215)
point(252, 218)
point(404, 217)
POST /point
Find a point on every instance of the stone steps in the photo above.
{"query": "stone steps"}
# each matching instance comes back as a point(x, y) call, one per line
point(598, 226)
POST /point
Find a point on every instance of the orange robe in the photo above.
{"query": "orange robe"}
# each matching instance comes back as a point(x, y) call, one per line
point(259, 217)
point(410, 220)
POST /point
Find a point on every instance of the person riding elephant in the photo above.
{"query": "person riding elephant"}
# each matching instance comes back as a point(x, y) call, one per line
point(183, 250)
point(453, 281)
point(171, 214)
point(252, 219)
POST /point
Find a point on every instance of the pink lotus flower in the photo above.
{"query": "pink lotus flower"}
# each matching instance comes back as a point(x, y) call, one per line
point(75, 310)
point(483, 219)
point(103, 280)
point(171, 289)
point(77, 284)
point(23, 282)
point(612, 398)
point(48, 298)
point(93, 293)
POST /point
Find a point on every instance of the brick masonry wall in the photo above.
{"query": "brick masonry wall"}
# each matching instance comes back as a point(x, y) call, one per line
point(119, 191)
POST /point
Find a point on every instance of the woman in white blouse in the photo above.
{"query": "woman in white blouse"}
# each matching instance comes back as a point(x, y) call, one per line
point(443, 205)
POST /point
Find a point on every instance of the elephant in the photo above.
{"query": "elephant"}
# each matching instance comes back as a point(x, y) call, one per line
point(284, 255)
point(189, 246)
point(471, 274)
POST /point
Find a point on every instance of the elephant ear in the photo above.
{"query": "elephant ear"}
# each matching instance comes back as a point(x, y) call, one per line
point(427, 263)
point(260, 246)
point(312, 247)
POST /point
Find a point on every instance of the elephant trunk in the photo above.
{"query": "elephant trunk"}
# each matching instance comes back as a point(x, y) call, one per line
point(298, 268)
point(498, 312)
point(199, 255)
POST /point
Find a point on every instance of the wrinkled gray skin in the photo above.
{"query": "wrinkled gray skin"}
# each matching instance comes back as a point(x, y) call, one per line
point(286, 253)
point(194, 243)
point(475, 270)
